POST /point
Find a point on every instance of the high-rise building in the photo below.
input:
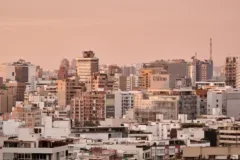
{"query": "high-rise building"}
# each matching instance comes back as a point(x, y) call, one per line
point(21, 71)
point(89, 108)
point(120, 82)
point(63, 69)
point(67, 89)
point(204, 70)
point(19, 88)
point(145, 78)
point(132, 82)
point(87, 65)
point(72, 68)
point(7, 99)
point(62, 73)
point(128, 70)
point(39, 72)
point(118, 103)
point(232, 71)
point(7, 72)
point(201, 70)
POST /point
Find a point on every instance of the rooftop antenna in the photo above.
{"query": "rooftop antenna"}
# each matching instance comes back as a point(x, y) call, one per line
point(211, 49)
point(195, 55)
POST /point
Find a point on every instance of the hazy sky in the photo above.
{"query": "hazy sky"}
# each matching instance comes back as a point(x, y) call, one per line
point(118, 31)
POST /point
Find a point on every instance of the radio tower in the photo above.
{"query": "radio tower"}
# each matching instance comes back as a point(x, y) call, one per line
point(211, 49)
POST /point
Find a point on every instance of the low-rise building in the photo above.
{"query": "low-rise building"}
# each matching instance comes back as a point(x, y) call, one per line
point(229, 135)
point(29, 114)
point(100, 133)
point(30, 145)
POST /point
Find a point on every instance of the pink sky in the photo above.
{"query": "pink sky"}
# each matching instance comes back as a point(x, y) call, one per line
point(119, 31)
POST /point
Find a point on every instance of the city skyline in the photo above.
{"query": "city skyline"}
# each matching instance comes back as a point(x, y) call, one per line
point(118, 32)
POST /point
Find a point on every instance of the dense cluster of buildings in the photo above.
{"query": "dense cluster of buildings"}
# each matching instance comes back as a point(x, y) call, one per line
point(151, 111)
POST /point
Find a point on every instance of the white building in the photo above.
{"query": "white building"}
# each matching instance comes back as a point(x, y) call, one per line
point(190, 133)
point(30, 145)
point(7, 72)
point(132, 82)
point(124, 101)
point(224, 101)
point(57, 128)
point(10, 127)
point(160, 81)
point(162, 130)
point(215, 102)
point(125, 146)
point(118, 103)
point(206, 85)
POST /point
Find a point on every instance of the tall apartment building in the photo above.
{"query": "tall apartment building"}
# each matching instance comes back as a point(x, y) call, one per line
point(29, 114)
point(177, 68)
point(67, 89)
point(7, 99)
point(215, 104)
point(111, 111)
point(39, 72)
point(89, 108)
point(117, 103)
point(87, 65)
point(145, 78)
point(132, 82)
point(19, 88)
point(202, 99)
point(62, 73)
point(204, 70)
point(21, 71)
point(128, 70)
point(232, 71)
point(120, 82)
point(63, 69)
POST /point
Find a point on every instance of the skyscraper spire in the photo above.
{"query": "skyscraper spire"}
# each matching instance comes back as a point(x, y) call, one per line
point(211, 49)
